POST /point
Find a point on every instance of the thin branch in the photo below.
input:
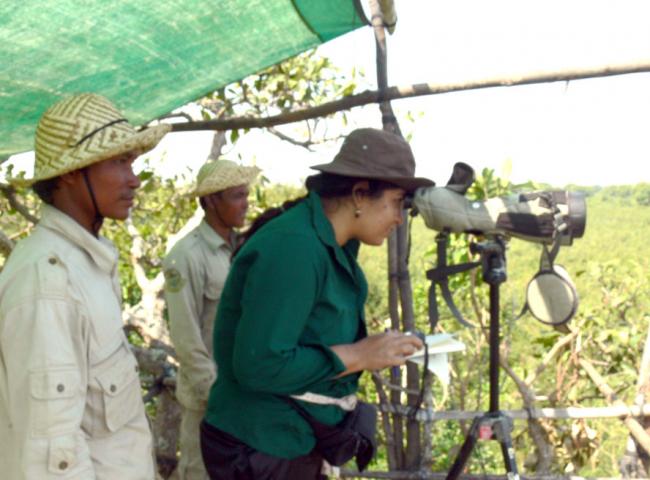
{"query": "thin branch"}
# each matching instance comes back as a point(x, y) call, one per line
point(137, 254)
point(214, 106)
point(416, 90)
point(391, 386)
point(10, 192)
point(152, 360)
point(20, 233)
point(636, 429)
point(6, 244)
point(536, 429)
point(550, 356)
point(305, 144)
point(218, 142)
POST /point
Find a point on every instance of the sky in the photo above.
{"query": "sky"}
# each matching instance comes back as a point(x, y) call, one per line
point(585, 132)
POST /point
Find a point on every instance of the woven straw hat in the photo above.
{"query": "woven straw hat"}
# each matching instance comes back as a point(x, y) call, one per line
point(370, 153)
point(217, 175)
point(81, 130)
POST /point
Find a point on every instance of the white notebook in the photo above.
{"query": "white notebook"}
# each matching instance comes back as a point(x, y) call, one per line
point(440, 344)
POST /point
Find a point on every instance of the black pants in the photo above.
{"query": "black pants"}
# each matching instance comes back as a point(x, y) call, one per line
point(227, 458)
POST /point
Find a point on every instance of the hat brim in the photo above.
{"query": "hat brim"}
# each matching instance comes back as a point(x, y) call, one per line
point(410, 184)
point(141, 142)
point(245, 176)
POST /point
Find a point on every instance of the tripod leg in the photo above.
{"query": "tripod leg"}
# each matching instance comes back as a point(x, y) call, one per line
point(465, 451)
point(503, 429)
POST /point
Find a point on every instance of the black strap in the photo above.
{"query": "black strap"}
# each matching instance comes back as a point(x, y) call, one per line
point(99, 129)
point(440, 276)
point(297, 407)
point(99, 218)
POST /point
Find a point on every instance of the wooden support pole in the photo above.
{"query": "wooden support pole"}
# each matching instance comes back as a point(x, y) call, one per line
point(614, 411)
point(416, 90)
point(396, 451)
point(442, 476)
point(629, 463)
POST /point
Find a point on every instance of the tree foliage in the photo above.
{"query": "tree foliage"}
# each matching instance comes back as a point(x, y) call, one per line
point(295, 84)
point(609, 266)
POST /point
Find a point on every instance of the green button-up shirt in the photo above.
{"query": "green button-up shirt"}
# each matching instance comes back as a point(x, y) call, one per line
point(292, 293)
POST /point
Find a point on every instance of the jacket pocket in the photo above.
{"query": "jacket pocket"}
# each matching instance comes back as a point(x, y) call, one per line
point(215, 283)
point(56, 402)
point(120, 387)
point(62, 456)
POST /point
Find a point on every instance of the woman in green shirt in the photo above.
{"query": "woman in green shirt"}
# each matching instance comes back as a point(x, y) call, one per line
point(291, 315)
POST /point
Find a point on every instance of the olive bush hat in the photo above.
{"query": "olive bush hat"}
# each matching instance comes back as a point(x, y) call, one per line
point(377, 155)
point(217, 175)
point(81, 130)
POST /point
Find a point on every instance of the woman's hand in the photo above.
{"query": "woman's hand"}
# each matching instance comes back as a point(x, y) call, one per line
point(377, 351)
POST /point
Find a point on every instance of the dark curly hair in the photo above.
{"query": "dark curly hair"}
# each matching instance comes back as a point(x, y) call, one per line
point(326, 185)
point(45, 189)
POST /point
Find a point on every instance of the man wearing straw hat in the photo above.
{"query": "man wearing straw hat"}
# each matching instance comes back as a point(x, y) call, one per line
point(195, 273)
point(70, 397)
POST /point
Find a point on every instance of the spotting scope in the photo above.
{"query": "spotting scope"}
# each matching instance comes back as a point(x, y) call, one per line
point(540, 217)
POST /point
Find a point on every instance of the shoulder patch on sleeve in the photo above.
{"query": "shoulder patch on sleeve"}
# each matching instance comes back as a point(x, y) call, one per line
point(174, 281)
point(52, 275)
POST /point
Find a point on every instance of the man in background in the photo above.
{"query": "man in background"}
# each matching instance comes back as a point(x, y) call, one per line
point(195, 273)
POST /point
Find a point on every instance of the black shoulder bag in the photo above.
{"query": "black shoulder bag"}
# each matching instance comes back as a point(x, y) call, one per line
point(353, 437)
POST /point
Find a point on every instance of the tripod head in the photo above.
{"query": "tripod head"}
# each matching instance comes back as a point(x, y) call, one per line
point(493, 259)
point(493, 264)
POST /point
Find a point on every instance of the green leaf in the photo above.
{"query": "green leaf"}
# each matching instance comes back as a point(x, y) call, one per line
point(145, 175)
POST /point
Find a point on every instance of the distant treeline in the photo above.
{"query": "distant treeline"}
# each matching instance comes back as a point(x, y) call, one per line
point(638, 194)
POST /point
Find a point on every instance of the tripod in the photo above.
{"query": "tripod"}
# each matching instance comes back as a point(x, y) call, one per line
point(492, 425)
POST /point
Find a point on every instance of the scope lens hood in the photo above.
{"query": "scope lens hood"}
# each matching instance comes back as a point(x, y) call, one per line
point(577, 213)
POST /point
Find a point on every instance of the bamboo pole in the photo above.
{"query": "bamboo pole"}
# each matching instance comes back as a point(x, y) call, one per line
point(416, 90)
point(413, 448)
point(629, 462)
point(411, 455)
point(413, 434)
point(396, 453)
point(391, 447)
point(441, 476)
point(614, 411)
point(643, 394)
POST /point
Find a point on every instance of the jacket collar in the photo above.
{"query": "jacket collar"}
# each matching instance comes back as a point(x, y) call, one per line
point(212, 238)
point(325, 232)
point(100, 249)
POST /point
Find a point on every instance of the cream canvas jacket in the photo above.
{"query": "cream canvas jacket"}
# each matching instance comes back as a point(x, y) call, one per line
point(195, 272)
point(70, 398)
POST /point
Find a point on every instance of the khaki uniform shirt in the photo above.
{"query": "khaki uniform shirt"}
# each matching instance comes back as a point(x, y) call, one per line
point(195, 272)
point(70, 398)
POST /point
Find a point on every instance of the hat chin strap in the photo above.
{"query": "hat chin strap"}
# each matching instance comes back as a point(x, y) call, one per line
point(99, 218)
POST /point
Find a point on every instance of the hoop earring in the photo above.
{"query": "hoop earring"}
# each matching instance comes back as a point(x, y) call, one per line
point(357, 213)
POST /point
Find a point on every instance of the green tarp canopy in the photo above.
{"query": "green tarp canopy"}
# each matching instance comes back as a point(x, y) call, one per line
point(148, 56)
